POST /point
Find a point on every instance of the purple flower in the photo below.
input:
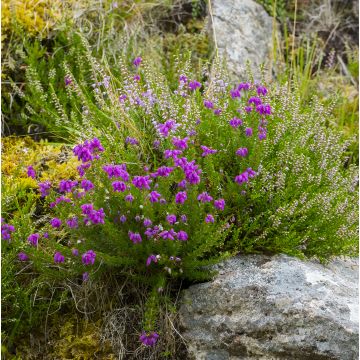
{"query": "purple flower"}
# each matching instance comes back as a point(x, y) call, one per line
point(149, 340)
point(180, 197)
point(183, 78)
point(22, 256)
point(119, 186)
point(67, 81)
point(137, 61)
point(58, 258)
point(248, 109)
point(181, 144)
point(262, 136)
point(251, 172)
point(156, 144)
point(172, 153)
point(147, 222)
point(6, 230)
point(235, 93)
point(235, 122)
point(95, 144)
point(67, 185)
point(122, 218)
point(31, 172)
point(122, 98)
point(163, 171)
point(136, 77)
point(33, 239)
point(154, 196)
point(72, 222)
point(55, 222)
point(142, 182)
point(219, 204)
point(137, 218)
point(193, 85)
point(96, 216)
point(254, 100)
point(171, 219)
point(182, 235)
point(263, 109)
point(204, 197)
point(183, 218)
point(44, 188)
point(135, 237)
point(129, 198)
point(81, 168)
point(131, 141)
point(87, 208)
point(117, 171)
point(217, 111)
point(85, 276)
point(165, 128)
point(75, 252)
point(150, 233)
point(168, 234)
point(261, 90)
point(244, 177)
point(87, 185)
point(208, 104)
point(46, 235)
point(88, 258)
point(248, 131)
point(209, 218)
point(207, 151)
point(182, 184)
point(151, 258)
point(244, 86)
point(242, 152)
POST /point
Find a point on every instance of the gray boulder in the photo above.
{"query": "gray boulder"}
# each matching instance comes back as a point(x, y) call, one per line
point(262, 307)
point(243, 32)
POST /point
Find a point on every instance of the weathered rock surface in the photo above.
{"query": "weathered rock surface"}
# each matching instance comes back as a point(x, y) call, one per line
point(261, 307)
point(243, 32)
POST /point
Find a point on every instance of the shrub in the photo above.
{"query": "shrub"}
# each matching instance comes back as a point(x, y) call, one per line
point(174, 177)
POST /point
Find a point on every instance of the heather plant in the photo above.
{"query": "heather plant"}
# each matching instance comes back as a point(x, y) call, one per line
point(173, 177)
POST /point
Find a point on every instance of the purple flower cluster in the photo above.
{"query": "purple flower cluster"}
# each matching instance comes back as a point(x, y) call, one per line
point(135, 237)
point(207, 151)
point(119, 186)
point(59, 200)
point(235, 122)
point(117, 171)
point(88, 258)
point(33, 239)
point(142, 182)
point(22, 256)
point(149, 340)
point(31, 172)
point(72, 222)
point(44, 188)
point(219, 204)
point(150, 259)
point(193, 85)
point(180, 144)
point(208, 104)
point(163, 171)
point(6, 230)
point(180, 197)
point(204, 197)
point(55, 222)
point(245, 176)
point(137, 61)
point(58, 258)
point(171, 219)
point(92, 215)
point(242, 152)
point(86, 185)
point(66, 186)
point(168, 234)
point(165, 128)
point(131, 141)
point(87, 151)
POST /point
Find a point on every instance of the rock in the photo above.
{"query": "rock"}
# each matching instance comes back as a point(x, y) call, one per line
point(262, 307)
point(243, 32)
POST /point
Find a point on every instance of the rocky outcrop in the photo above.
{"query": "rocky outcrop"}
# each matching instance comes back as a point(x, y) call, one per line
point(243, 32)
point(261, 307)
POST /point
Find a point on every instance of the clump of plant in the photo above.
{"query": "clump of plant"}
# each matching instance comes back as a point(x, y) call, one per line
point(174, 177)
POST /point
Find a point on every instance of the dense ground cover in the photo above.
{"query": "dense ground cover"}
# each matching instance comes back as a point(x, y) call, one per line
point(162, 165)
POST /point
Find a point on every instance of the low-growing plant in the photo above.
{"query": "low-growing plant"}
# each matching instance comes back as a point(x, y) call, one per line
point(173, 177)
